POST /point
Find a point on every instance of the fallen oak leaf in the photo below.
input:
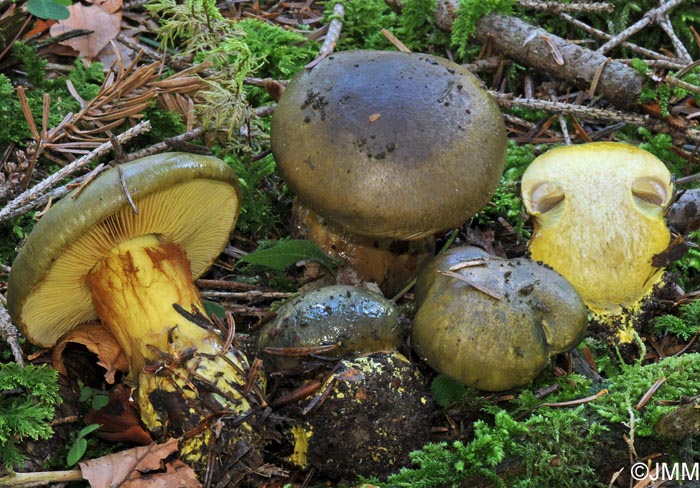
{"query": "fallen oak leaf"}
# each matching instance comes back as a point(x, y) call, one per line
point(178, 475)
point(104, 26)
point(129, 466)
point(97, 340)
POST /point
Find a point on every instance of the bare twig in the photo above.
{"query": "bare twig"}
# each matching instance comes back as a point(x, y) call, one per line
point(9, 332)
point(627, 45)
point(655, 15)
point(252, 295)
point(647, 396)
point(23, 480)
point(332, 36)
point(577, 401)
point(42, 187)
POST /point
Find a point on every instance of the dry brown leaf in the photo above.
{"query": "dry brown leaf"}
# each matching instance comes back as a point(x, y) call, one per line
point(127, 468)
point(178, 475)
point(97, 340)
point(104, 26)
point(119, 419)
point(109, 6)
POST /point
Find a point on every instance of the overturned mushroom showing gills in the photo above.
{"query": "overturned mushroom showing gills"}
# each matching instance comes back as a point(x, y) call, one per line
point(389, 145)
point(494, 323)
point(598, 210)
point(92, 256)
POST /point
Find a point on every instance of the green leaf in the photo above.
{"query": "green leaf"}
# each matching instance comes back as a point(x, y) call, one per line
point(76, 452)
point(285, 253)
point(88, 429)
point(214, 309)
point(85, 393)
point(48, 9)
point(99, 401)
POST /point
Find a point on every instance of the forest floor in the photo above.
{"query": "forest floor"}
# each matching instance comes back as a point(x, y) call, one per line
point(92, 86)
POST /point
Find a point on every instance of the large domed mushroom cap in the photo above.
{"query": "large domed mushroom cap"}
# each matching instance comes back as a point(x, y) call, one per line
point(389, 144)
point(176, 195)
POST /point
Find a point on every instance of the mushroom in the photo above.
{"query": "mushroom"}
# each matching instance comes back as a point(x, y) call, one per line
point(388, 146)
point(352, 319)
point(493, 323)
point(598, 212)
point(367, 417)
point(94, 256)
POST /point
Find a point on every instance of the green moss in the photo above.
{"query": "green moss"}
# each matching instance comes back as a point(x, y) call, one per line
point(418, 28)
point(363, 21)
point(506, 202)
point(26, 407)
point(684, 326)
point(628, 388)
point(262, 203)
point(469, 12)
point(197, 28)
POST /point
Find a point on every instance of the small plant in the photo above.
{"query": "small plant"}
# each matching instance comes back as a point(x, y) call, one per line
point(280, 255)
point(77, 450)
point(96, 399)
point(29, 397)
point(49, 9)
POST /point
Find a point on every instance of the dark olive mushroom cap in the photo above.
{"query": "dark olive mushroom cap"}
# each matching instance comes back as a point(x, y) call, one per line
point(188, 199)
point(389, 144)
point(496, 326)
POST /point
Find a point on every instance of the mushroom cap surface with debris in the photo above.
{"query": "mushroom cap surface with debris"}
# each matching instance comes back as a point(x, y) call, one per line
point(493, 323)
point(389, 144)
point(598, 210)
point(175, 194)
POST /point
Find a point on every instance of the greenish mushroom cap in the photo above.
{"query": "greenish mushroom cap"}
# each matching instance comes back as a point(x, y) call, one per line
point(191, 200)
point(493, 323)
point(389, 144)
point(356, 319)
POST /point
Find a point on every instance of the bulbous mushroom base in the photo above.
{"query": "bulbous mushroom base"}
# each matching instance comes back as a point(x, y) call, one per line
point(189, 387)
point(391, 263)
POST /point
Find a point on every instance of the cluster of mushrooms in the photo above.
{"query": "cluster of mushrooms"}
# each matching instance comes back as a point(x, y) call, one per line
point(383, 150)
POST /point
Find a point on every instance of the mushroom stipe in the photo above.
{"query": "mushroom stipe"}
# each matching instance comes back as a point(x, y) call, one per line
point(93, 257)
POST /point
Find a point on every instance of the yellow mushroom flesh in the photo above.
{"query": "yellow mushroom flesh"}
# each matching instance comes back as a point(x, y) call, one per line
point(598, 212)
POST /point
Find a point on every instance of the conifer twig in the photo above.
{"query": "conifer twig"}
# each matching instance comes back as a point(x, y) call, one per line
point(603, 115)
point(568, 7)
point(42, 187)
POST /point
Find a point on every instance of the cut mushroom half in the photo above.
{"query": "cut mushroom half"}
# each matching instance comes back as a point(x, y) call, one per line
point(598, 211)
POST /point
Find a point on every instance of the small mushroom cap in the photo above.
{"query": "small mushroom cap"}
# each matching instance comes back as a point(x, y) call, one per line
point(599, 219)
point(357, 319)
point(389, 144)
point(187, 199)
